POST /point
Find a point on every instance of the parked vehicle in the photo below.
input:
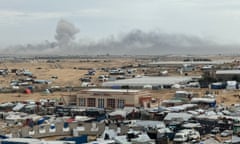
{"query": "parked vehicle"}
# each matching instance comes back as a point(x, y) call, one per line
point(226, 133)
point(215, 130)
point(186, 135)
point(180, 137)
point(85, 79)
point(102, 78)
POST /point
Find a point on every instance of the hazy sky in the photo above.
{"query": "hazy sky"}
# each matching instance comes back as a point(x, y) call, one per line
point(33, 21)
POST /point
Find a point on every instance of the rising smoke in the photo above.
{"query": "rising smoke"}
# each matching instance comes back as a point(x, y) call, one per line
point(65, 32)
point(135, 42)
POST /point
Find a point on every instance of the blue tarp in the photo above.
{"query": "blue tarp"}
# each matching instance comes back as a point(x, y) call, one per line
point(3, 137)
point(100, 118)
point(217, 86)
point(79, 140)
point(65, 125)
point(116, 87)
point(41, 121)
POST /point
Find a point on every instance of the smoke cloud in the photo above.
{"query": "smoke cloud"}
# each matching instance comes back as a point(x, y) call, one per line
point(135, 42)
point(65, 32)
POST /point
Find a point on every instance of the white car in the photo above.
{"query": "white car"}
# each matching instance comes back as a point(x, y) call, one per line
point(226, 133)
point(180, 137)
point(186, 135)
point(215, 130)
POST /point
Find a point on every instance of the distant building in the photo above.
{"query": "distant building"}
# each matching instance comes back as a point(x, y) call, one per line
point(188, 68)
point(140, 82)
point(113, 98)
point(207, 68)
point(226, 75)
point(180, 63)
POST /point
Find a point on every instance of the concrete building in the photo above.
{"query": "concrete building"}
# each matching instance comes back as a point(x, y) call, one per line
point(226, 75)
point(113, 98)
point(188, 68)
point(180, 63)
point(160, 81)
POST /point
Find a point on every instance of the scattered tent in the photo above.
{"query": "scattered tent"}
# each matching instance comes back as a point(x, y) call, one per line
point(209, 141)
point(231, 85)
point(147, 87)
point(27, 91)
point(18, 107)
point(217, 85)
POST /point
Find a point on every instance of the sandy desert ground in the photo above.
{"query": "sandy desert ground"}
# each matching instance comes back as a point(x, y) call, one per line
point(69, 71)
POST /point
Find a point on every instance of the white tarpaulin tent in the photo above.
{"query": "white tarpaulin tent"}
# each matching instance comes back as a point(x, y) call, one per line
point(18, 107)
point(231, 85)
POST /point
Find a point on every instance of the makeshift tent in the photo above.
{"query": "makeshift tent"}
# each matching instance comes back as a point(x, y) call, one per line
point(217, 85)
point(27, 91)
point(177, 86)
point(235, 140)
point(52, 126)
point(118, 114)
point(18, 107)
point(70, 120)
point(47, 91)
point(30, 87)
point(210, 101)
point(147, 86)
point(209, 141)
point(65, 125)
point(41, 121)
point(177, 117)
point(231, 85)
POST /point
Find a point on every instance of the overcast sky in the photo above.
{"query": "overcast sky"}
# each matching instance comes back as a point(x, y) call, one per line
point(33, 21)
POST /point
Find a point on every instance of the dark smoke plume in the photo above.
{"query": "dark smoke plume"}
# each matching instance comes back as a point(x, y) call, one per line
point(135, 42)
point(65, 32)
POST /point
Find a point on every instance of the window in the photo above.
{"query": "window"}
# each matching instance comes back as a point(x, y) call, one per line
point(101, 103)
point(120, 103)
point(82, 102)
point(111, 103)
point(91, 102)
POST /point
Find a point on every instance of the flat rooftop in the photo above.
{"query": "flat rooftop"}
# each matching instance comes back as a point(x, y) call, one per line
point(228, 72)
point(189, 62)
point(113, 90)
point(153, 81)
